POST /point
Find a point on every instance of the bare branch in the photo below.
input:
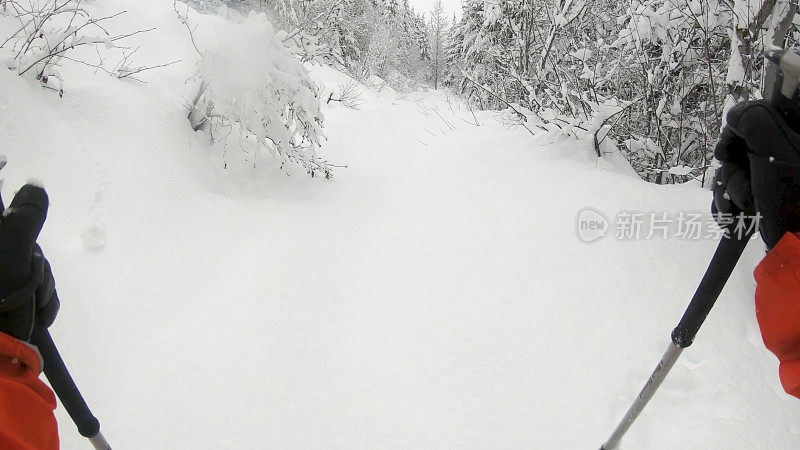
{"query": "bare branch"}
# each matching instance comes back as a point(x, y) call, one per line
point(184, 19)
point(523, 117)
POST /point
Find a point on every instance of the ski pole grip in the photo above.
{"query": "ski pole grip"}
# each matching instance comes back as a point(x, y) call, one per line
point(726, 256)
point(61, 381)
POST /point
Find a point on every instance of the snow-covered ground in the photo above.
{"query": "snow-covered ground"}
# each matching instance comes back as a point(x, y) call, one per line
point(435, 294)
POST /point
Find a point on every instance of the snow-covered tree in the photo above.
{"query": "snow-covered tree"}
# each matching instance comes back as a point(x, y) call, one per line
point(383, 38)
point(255, 99)
point(437, 26)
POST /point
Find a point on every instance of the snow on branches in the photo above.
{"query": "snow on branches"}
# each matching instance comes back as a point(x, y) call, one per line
point(47, 32)
point(254, 97)
point(671, 67)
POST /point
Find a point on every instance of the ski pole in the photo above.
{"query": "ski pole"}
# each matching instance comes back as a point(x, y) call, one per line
point(61, 381)
point(719, 270)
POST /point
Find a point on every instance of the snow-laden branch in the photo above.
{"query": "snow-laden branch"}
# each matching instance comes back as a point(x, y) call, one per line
point(50, 31)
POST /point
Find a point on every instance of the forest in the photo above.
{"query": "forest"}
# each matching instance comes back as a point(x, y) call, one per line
point(649, 78)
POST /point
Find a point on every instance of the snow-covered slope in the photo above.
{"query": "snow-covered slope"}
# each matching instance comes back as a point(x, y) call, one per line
point(433, 295)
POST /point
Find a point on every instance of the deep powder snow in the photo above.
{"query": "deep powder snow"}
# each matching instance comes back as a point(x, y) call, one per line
point(435, 294)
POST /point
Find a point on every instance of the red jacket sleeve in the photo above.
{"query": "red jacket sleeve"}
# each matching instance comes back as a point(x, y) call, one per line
point(26, 403)
point(778, 308)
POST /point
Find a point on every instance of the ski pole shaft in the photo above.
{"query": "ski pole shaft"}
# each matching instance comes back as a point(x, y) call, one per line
point(719, 270)
point(649, 389)
point(63, 385)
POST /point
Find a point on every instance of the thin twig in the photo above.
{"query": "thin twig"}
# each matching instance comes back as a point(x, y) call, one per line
point(144, 68)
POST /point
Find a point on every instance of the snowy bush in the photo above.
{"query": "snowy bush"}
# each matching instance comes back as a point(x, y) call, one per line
point(347, 94)
point(679, 51)
point(255, 98)
point(653, 76)
point(36, 36)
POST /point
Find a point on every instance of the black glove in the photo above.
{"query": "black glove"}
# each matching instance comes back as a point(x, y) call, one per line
point(27, 288)
point(760, 170)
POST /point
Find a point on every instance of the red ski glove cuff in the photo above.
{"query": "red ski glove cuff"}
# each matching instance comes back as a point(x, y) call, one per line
point(26, 403)
point(778, 308)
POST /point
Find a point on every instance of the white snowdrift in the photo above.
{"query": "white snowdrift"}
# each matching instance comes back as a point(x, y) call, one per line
point(433, 295)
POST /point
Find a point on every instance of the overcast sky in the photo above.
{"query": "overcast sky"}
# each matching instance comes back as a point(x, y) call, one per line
point(451, 6)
